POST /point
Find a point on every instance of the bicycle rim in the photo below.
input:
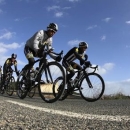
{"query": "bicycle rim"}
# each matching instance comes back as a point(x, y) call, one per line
point(46, 90)
point(57, 86)
point(95, 92)
point(21, 87)
point(32, 91)
point(10, 86)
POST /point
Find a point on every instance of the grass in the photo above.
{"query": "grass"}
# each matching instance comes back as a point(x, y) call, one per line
point(115, 96)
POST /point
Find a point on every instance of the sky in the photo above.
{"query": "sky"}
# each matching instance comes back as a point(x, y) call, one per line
point(103, 24)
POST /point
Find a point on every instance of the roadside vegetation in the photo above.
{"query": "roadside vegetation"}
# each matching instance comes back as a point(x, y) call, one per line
point(115, 96)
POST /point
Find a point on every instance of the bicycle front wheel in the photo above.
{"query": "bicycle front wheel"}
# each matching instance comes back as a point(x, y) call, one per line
point(57, 86)
point(46, 89)
point(10, 86)
point(93, 89)
point(22, 90)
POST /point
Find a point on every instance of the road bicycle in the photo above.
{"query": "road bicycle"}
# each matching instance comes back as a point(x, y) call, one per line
point(9, 83)
point(44, 78)
point(89, 85)
point(33, 90)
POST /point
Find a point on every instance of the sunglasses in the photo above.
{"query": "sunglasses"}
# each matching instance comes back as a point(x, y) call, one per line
point(84, 47)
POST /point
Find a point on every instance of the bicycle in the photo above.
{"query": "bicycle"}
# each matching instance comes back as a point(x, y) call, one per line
point(33, 90)
point(9, 83)
point(45, 77)
point(90, 81)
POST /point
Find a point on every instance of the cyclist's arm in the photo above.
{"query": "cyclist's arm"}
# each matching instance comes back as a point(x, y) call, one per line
point(49, 47)
point(82, 61)
point(37, 39)
point(85, 57)
point(15, 66)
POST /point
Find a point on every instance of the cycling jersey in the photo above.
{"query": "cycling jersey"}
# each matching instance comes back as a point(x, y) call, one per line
point(9, 62)
point(73, 54)
point(7, 65)
point(38, 40)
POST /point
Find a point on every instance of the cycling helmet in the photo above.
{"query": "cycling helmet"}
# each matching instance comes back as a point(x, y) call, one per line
point(83, 44)
point(53, 26)
point(14, 56)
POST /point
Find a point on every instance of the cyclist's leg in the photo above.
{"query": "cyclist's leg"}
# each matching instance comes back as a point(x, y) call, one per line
point(30, 57)
point(5, 71)
point(70, 69)
point(76, 66)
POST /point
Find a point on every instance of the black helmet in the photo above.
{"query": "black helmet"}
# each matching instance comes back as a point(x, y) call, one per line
point(83, 44)
point(14, 56)
point(53, 26)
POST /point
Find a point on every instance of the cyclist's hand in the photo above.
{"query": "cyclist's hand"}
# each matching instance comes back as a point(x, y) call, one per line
point(51, 49)
point(88, 63)
point(58, 58)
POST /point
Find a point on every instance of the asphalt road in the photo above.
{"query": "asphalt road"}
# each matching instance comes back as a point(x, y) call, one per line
point(70, 114)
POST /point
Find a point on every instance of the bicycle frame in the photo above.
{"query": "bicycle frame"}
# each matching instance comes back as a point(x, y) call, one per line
point(84, 74)
point(43, 66)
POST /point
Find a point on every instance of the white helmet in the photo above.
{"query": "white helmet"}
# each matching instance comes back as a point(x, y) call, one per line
point(53, 26)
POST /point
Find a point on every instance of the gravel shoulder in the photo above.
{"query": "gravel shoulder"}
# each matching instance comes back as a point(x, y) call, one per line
point(16, 117)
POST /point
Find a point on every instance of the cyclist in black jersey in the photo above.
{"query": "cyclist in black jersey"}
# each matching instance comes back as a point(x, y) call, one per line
point(8, 63)
point(73, 54)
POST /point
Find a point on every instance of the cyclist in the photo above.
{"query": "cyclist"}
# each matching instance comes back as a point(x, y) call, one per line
point(7, 66)
point(73, 54)
point(40, 41)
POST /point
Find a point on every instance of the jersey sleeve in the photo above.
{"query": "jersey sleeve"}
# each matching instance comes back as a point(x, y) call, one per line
point(15, 63)
point(49, 44)
point(7, 61)
point(37, 39)
point(78, 56)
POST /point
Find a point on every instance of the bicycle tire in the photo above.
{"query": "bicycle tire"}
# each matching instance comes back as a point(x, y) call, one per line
point(22, 93)
point(65, 92)
point(82, 89)
point(64, 95)
point(32, 92)
point(2, 91)
point(45, 95)
point(10, 87)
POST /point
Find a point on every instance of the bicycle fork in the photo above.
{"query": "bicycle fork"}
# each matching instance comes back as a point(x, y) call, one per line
point(88, 81)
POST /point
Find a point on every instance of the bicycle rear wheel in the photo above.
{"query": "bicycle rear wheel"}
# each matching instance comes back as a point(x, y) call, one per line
point(46, 90)
point(57, 86)
point(32, 91)
point(22, 90)
point(94, 92)
point(10, 86)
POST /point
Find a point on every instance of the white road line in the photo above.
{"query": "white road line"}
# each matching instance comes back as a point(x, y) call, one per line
point(76, 115)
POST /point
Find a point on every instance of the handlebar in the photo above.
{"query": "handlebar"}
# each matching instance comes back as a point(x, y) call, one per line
point(94, 67)
point(47, 52)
